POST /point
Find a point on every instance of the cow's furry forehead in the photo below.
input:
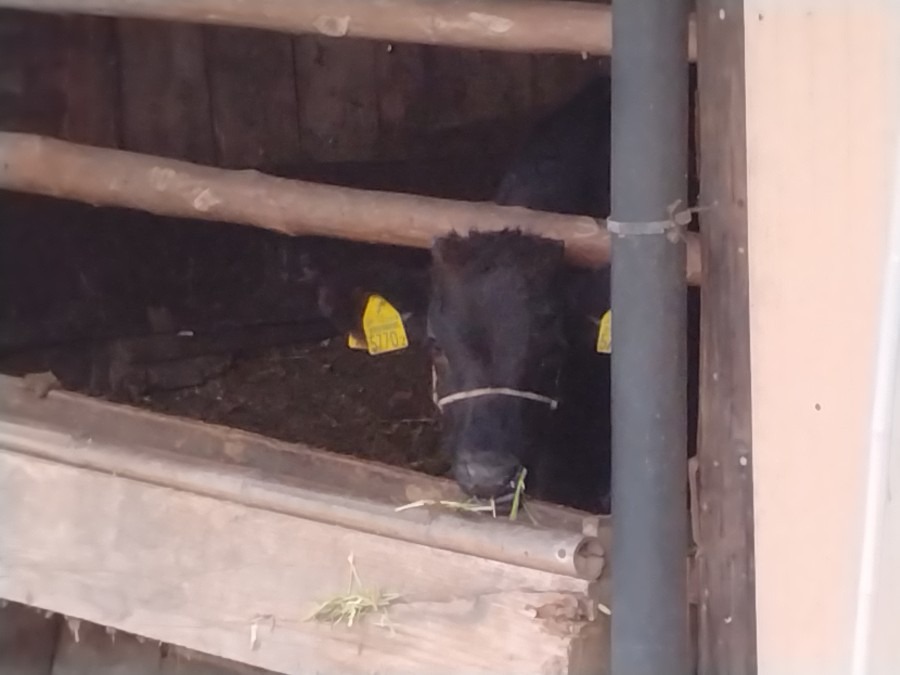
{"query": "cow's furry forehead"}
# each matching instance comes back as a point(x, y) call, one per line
point(479, 252)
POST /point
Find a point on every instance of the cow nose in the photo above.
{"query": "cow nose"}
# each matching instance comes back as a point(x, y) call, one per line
point(487, 475)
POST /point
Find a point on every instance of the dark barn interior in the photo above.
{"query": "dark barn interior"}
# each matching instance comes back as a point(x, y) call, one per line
point(89, 290)
point(220, 322)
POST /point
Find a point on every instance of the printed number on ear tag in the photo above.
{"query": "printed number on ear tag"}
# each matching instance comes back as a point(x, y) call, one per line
point(604, 333)
point(383, 327)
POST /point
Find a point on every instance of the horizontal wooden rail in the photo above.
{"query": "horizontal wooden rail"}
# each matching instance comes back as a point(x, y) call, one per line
point(519, 26)
point(558, 552)
point(169, 187)
point(226, 542)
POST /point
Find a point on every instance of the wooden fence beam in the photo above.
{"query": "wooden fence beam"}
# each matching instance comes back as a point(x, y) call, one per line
point(521, 26)
point(217, 570)
point(169, 187)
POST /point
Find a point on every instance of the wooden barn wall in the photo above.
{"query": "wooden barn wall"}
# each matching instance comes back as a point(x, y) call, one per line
point(361, 113)
point(249, 98)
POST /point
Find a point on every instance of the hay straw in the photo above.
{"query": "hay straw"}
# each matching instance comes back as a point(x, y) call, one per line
point(470, 505)
point(473, 505)
point(518, 494)
point(355, 604)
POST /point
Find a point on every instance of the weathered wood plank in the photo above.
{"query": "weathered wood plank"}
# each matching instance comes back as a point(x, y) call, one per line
point(471, 86)
point(523, 26)
point(338, 99)
point(169, 187)
point(201, 573)
point(88, 649)
point(90, 81)
point(181, 661)
point(299, 481)
point(556, 77)
point(254, 97)
point(402, 76)
point(725, 553)
point(31, 99)
point(27, 640)
point(165, 93)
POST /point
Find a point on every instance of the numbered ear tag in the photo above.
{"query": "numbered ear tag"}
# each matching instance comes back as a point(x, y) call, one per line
point(604, 333)
point(355, 343)
point(383, 327)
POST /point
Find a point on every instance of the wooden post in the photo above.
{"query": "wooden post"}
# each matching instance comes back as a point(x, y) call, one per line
point(725, 551)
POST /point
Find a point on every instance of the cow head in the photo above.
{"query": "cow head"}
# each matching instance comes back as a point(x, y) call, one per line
point(495, 330)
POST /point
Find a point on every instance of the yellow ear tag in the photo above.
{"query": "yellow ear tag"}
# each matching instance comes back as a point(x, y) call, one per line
point(383, 327)
point(355, 343)
point(604, 333)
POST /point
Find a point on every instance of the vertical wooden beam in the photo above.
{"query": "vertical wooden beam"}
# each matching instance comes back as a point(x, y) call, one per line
point(725, 547)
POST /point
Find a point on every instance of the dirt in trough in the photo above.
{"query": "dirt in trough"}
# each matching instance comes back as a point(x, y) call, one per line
point(322, 394)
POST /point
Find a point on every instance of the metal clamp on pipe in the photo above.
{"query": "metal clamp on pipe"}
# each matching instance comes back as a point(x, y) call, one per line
point(626, 229)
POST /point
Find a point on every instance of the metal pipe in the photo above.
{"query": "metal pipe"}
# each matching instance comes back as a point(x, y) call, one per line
point(649, 361)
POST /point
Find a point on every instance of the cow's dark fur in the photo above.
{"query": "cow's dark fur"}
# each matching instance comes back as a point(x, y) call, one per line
point(505, 311)
point(499, 318)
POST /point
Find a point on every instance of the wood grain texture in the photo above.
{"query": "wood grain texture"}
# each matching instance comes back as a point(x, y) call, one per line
point(31, 98)
point(200, 573)
point(523, 26)
point(253, 97)
point(165, 93)
point(168, 187)
point(337, 97)
point(152, 557)
point(288, 478)
point(726, 547)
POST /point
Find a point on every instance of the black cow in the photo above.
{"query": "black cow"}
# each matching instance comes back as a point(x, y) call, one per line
point(512, 329)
